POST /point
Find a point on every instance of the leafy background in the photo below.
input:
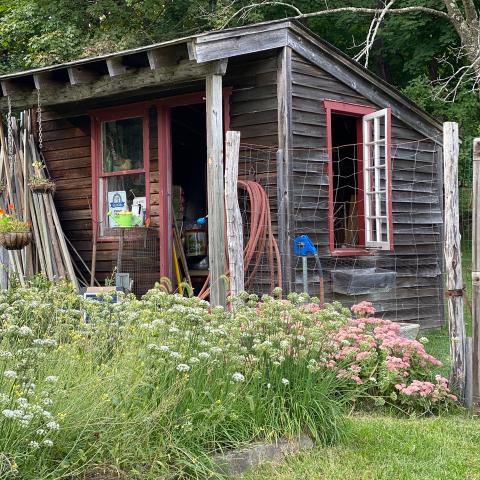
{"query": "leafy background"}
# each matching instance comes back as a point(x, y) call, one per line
point(406, 53)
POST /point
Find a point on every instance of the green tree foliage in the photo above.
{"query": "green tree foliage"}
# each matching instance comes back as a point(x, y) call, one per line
point(406, 52)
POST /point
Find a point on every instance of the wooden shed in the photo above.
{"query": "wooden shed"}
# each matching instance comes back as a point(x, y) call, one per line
point(344, 158)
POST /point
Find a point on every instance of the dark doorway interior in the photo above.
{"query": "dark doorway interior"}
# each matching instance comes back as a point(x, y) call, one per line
point(347, 192)
point(189, 187)
point(189, 158)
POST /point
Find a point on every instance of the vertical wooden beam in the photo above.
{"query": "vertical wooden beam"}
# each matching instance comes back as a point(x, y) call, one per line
point(476, 276)
point(216, 206)
point(453, 257)
point(284, 164)
point(234, 217)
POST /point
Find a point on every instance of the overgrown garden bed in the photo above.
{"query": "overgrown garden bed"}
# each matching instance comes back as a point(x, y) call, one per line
point(153, 388)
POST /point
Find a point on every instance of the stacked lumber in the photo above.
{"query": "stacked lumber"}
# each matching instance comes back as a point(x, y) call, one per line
point(20, 161)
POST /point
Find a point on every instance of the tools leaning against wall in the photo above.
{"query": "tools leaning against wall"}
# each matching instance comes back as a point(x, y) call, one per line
point(28, 196)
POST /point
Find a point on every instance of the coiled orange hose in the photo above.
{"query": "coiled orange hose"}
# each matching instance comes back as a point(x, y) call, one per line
point(260, 239)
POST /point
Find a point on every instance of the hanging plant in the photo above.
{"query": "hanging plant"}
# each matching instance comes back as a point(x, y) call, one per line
point(41, 185)
point(38, 182)
point(15, 234)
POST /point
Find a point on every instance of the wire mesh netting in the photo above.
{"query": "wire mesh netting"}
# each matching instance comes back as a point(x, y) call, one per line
point(327, 201)
point(136, 265)
point(465, 184)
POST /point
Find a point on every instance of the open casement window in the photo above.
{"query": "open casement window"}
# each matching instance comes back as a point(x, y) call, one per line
point(377, 179)
point(359, 179)
point(120, 146)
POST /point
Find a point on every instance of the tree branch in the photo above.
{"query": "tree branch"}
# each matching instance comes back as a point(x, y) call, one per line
point(455, 15)
point(371, 11)
point(470, 11)
point(372, 34)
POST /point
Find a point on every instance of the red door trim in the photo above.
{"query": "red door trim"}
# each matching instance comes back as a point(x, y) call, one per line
point(165, 166)
point(355, 110)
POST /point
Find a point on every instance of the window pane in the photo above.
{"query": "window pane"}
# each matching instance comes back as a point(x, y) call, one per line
point(122, 145)
point(124, 193)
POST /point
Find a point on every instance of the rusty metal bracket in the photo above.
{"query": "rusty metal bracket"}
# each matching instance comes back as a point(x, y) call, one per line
point(455, 293)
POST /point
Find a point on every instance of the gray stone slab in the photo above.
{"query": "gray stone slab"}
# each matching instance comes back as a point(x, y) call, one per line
point(237, 462)
point(409, 330)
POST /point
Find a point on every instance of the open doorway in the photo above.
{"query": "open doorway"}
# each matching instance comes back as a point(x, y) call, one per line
point(189, 186)
point(347, 182)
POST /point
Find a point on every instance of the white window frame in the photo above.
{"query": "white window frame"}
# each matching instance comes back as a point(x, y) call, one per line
point(372, 161)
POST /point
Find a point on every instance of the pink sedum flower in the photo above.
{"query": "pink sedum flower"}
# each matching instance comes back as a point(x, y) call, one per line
point(363, 309)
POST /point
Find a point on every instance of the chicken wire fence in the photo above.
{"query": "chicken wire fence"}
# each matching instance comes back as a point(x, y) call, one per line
point(465, 202)
point(326, 203)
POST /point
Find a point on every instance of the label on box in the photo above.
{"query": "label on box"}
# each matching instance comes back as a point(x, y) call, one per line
point(117, 202)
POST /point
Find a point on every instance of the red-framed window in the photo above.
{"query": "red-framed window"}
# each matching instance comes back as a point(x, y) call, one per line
point(359, 173)
point(120, 165)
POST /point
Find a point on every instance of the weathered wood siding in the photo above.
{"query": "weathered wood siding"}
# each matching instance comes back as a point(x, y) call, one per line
point(253, 112)
point(417, 215)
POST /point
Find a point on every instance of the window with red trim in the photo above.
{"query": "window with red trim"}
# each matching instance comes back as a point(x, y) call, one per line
point(359, 171)
point(121, 164)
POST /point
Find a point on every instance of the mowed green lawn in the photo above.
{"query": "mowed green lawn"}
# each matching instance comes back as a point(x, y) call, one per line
point(388, 448)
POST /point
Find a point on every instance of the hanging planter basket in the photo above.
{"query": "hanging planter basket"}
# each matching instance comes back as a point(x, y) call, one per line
point(41, 185)
point(15, 240)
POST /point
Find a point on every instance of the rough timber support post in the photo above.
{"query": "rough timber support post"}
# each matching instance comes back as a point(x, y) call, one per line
point(453, 258)
point(284, 164)
point(476, 276)
point(234, 217)
point(216, 206)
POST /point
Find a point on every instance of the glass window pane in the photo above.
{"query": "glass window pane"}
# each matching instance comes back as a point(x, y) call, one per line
point(126, 193)
point(122, 145)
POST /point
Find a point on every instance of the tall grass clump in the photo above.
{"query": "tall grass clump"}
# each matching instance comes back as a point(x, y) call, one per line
point(154, 387)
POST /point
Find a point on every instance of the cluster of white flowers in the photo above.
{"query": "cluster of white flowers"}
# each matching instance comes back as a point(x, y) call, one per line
point(238, 377)
point(183, 367)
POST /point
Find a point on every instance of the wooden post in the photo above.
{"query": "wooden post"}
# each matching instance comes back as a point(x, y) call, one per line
point(284, 167)
point(234, 217)
point(453, 257)
point(216, 206)
point(476, 276)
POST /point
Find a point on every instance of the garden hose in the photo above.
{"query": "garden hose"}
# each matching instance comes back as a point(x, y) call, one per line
point(260, 241)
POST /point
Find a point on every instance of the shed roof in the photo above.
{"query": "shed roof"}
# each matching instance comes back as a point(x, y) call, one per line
point(191, 58)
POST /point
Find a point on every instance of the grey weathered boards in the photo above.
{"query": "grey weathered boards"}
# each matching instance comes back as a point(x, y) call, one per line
point(276, 76)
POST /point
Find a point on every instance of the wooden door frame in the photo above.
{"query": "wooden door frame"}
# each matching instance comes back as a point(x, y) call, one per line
point(164, 126)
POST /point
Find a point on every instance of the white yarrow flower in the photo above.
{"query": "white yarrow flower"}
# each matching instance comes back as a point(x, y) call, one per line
point(285, 381)
point(238, 377)
point(53, 425)
point(10, 374)
point(24, 330)
point(48, 443)
point(183, 367)
point(51, 379)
